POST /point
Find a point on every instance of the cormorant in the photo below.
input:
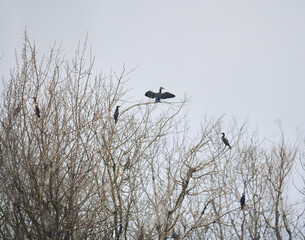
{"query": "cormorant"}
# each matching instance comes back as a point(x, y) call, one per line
point(242, 201)
point(36, 108)
point(158, 96)
point(116, 114)
point(225, 141)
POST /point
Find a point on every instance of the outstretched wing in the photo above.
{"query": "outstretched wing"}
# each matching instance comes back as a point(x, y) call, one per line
point(167, 95)
point(150, 94)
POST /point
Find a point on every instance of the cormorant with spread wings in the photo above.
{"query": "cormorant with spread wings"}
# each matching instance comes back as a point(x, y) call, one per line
point(158, 96)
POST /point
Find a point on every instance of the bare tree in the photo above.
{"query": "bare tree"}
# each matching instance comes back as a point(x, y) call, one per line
point(71, 172)
point(301, 189)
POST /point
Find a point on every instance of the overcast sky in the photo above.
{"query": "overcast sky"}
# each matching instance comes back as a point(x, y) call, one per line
point(242, 58)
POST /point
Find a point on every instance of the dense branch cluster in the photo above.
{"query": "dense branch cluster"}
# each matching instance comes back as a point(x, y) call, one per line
point(68, 170)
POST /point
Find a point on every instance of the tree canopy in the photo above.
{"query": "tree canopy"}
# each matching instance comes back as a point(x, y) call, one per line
point(72, 173)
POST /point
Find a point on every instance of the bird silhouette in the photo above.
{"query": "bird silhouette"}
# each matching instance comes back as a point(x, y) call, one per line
point(242, 201)
point(225, 141)
point(158, 96)
point(116, 114)
point(36, 108)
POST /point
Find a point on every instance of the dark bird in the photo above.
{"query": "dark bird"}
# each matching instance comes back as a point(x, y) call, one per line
point(116, 114)
point(158, 96)
point(36, 108)
point(242, 201)
point(225, 141)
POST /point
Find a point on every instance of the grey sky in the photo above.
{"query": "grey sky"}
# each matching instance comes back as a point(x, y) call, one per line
point(242, 58)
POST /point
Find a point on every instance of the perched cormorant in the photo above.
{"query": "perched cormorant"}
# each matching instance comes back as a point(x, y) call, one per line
point(225, 141)
point(116, 114)
point(242, 201)
point(158, 96)
point(36, 108)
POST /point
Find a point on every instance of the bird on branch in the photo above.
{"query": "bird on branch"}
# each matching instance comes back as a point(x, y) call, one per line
point(158, 96)
point(225, 141)
point(116, 114)
point(36, 108)
point(242, 201)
